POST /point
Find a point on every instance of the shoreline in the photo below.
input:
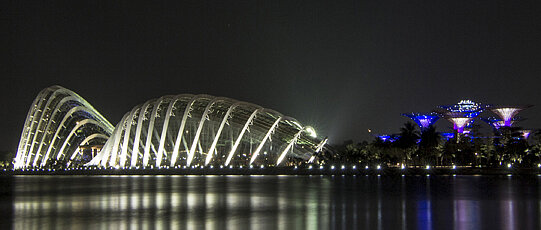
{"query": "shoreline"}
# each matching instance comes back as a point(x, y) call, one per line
point(281, 171)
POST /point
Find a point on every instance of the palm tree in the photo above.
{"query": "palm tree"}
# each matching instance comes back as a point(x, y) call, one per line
point(408, 140)
point(428, 146)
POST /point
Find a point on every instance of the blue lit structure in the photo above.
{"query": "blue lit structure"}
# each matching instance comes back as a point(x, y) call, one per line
point(494, 122)
point(461, 114)
point(448, 136)
point(467, 107)
point(423, 120)
point(388, 138)
point(525, 133)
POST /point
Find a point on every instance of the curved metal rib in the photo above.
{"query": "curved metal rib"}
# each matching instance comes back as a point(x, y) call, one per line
point(181, 131)
point(217, 137)
point(146, 155)
point(135, 148)
point(124, 153)
point(80, 124)
point(293, 141)
point(198, 132)
point(271, 130)
point(237, 142)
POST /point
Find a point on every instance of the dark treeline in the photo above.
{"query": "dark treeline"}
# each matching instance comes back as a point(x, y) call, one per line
point(413, 148)
point(6, 157)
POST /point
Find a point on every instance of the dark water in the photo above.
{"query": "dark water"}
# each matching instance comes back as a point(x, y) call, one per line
point(270, 202)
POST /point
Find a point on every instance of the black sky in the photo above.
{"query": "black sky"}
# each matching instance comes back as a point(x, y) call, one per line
point(341, 66)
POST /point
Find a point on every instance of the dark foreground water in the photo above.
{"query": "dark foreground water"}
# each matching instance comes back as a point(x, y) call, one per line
point(270, 202)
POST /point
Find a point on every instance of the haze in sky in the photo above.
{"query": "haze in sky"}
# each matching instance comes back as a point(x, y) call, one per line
point(341, 66)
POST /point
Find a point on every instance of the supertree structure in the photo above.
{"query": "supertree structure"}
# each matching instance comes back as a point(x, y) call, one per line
point(508, 113)
point(494, 122)
point(387, 138)
point(448, 136)
point(459, 121)
point(467, 107)
point(525, 133)
point(424, 120)
point(461, 114)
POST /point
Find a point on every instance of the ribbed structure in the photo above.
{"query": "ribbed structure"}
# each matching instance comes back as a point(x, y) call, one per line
point(202, 130)
point(57, 123)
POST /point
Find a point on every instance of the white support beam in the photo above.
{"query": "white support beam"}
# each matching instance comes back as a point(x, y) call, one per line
point(293, 141)
point(135, 148)
point(239, 138)
point(56, 110)
point(124, 150)
point(79, 125)
point(121, 126)
point(58, 129)
point(41, 118)
point(258, 149)
point(198, 132)
point(215, 141)
point(146, 155)
point(181, 131)
point(25, 157)
point(86, 140)
point(26, 129)
point(164, 130)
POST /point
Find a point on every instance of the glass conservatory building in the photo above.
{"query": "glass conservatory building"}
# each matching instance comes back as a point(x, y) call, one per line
point(171, 131)
point(58, 122)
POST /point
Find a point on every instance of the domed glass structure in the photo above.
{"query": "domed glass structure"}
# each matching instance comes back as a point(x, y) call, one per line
point(58, 122)
point(171, 131)
point(202, 130)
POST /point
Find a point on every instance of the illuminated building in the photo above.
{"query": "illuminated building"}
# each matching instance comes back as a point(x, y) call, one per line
point(63, 129)
point(202, 130)
point(459, 122)
point(494, 122)
point(461, 115)
point(57, 123)
point(467, 108)
point(389, 138)
point(448, 136)
point(423, 120)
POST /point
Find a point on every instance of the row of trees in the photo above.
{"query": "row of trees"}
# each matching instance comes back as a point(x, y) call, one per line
point(414, 148)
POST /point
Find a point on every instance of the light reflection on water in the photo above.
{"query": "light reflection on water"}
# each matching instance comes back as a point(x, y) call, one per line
point(270, 202)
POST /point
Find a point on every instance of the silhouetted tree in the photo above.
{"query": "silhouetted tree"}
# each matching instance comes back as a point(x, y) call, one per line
point(408, 141)
point(428, 146)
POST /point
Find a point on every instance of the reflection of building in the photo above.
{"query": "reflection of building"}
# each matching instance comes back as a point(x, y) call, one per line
point(182, 130)
point(58, 122)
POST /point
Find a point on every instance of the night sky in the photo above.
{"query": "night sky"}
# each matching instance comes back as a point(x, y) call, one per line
point(341, 66)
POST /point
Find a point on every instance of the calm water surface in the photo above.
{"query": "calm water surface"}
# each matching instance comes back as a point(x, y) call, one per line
point(270, 202)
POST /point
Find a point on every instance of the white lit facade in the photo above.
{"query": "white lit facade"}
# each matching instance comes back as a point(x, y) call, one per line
point(57, 123)
point(172, 131)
